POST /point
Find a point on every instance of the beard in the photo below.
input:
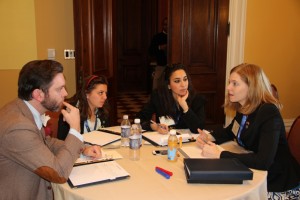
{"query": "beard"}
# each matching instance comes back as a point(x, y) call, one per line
point(51, 105)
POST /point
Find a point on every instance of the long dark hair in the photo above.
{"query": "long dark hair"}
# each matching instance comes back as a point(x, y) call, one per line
point(37, 74)
point(165, 94)
point(80, 100)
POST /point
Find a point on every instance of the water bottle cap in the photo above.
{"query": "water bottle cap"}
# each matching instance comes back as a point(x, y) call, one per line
point(137, 121)
point(173, 132)
point(125, 116)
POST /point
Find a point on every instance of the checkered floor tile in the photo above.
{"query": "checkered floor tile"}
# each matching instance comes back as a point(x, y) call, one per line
point(130, 103)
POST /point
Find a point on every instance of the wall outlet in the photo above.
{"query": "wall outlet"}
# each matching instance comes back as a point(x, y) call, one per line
point(69, 53)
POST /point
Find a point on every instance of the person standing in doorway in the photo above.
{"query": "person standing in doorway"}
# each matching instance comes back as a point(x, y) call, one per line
point(158, 50)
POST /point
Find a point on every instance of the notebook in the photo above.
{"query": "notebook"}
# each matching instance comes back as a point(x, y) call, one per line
point(107, 155)
point(100, 138)
point(158, 139)
point(85, 175)
point(221, 171)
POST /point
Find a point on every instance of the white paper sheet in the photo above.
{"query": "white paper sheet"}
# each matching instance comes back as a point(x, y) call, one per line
point(93, 173)
point(106, 155)
point(193, 151)
point(162, 140)
point(100, 138)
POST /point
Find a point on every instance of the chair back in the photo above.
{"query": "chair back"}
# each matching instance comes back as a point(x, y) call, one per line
point(294, 139)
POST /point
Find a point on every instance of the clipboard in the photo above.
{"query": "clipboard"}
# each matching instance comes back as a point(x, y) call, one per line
point(96, 173)
point(107, 155)
point(100, 138)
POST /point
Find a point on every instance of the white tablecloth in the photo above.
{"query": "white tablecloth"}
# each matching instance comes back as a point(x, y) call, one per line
point(145, 183)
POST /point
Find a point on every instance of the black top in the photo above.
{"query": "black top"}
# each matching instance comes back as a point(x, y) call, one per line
point(160, 55)
point(264, 135)
point(194, 118)
point(63, 127)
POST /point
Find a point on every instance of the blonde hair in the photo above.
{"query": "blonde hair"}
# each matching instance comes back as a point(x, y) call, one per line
point(259, 92)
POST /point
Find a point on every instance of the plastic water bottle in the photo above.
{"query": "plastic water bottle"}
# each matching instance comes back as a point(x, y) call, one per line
point(134, 143)
point(172, 146)
point(137, 121)
point(125, 131)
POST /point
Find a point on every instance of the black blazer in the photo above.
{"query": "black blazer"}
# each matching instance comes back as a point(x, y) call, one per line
point(194, 118)
point(264, 135)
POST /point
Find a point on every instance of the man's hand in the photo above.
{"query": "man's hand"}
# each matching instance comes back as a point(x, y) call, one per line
point(93, 151)
point(71, 116)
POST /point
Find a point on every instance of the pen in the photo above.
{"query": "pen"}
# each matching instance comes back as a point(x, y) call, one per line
point(164, 170)
point(167, 176)
point(153, 122)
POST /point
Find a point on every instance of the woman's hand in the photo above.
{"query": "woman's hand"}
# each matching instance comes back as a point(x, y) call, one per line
point(163, 129)
point(210, 150)
point(182, 101)
point(160, 128)
point(202, 139)
point(93, 151)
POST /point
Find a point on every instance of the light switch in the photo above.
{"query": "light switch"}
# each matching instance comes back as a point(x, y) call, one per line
point(51, 54)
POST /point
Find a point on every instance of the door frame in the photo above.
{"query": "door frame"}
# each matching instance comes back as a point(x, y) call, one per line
point(236, 40)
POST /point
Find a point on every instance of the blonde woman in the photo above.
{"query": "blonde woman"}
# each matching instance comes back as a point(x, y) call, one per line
point(259, 128)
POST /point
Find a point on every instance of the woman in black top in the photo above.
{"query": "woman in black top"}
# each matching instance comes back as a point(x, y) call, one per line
point(259, 128)
point(92, 104)
point(174, 104)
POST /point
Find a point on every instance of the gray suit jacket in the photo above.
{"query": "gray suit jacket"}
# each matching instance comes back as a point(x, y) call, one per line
point(29, 161)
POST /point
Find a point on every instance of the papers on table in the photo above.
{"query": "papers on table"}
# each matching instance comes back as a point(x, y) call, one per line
point(100, 138)
point(106, 156)
point(112, 129)
point(84, 175)
point(158, 139)
point(193, 151)
point(196, 152)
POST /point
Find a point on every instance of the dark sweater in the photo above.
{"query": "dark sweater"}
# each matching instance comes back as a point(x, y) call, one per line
point(194, 118)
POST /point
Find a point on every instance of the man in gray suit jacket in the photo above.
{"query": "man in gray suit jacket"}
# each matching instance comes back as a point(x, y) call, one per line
point(30, 161)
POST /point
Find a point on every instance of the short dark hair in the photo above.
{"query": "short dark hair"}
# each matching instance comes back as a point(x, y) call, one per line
point(37, 74)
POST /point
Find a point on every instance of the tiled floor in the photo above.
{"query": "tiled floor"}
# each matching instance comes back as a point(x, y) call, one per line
point(130, 103)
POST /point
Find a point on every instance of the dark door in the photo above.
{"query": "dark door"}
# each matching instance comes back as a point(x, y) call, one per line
point(198, 39)
point(133, 38)
point(94, 33)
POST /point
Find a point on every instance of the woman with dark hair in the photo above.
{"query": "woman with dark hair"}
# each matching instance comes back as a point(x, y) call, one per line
point(92, 104)
point(174, 104)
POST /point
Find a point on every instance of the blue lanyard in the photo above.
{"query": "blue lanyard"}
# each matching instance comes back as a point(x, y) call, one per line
point(240, 130)
point(87, 126)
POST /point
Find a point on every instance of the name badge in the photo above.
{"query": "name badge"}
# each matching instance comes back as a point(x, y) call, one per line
point(235, 128)
point(166, 120)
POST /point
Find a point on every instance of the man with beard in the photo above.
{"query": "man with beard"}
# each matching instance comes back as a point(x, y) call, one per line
point(30, 161)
